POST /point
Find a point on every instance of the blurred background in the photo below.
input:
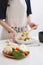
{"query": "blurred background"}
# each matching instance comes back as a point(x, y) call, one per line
point(36, 17)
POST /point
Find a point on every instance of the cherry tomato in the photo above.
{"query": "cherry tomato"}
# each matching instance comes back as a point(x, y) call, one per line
point(26, 53)
point(18, 49)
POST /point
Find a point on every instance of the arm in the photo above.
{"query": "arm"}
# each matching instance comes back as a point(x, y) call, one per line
point(6, 26)
point(31, 24)
point(9, 29)
point(3, 7)
point(28, 19)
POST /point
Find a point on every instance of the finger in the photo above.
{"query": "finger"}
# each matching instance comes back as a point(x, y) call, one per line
point(35, 27)
point(14, 39)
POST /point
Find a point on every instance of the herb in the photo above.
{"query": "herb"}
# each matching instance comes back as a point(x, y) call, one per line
point(26, 39)
point(18, 54)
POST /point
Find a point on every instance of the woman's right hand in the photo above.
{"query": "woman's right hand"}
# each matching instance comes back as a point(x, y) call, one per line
point(13, 35)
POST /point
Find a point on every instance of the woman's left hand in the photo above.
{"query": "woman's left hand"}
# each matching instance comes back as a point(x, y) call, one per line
point(33, 25)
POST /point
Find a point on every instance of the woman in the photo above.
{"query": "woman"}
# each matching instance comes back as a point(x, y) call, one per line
point(16, 14)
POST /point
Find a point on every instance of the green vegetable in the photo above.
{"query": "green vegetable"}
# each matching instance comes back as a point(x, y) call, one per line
point(26, 39)
point(23, 34)
point(18, 54)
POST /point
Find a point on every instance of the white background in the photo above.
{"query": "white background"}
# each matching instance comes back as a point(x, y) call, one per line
point(37, 15)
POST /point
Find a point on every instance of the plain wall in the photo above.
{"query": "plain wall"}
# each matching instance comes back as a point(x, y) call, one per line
point(36, 17)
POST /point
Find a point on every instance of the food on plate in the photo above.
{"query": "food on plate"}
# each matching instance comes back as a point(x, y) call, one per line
point(24, 34)
point(7, 49)
point(16, 51)
point(12, 45)
point(27, 38)
point(21, 38)
point(24, 38)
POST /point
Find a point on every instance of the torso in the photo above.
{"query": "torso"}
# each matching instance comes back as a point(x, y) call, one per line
point(16, 13)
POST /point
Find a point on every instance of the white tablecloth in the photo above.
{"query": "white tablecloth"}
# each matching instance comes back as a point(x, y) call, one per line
point(35, 57)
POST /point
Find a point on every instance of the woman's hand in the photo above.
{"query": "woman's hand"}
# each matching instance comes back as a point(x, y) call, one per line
point(13, 35)
point(33, 25)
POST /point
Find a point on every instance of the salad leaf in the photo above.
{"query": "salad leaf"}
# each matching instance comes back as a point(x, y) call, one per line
point(26, 39)
point(18, 54)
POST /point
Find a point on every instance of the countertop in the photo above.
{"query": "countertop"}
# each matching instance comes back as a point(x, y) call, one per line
point(35, 57)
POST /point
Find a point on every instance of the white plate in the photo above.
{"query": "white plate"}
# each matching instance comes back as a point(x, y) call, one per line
point(24, 42)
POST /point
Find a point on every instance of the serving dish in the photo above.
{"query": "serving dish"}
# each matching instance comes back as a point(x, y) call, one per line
point(15, 51)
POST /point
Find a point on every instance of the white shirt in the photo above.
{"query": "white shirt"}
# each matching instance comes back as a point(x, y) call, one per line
point(16, 13)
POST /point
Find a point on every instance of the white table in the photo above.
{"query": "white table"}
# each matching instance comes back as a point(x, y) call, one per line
point(35, 57)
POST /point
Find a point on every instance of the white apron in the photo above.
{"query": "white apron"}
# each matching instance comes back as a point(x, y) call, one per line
point(16, 15)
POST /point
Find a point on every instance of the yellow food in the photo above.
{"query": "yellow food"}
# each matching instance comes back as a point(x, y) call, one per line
point(25, 34)
point(21, 38)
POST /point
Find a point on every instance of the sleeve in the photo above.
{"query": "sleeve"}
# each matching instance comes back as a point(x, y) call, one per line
point(28, 7)
point(2, 9)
